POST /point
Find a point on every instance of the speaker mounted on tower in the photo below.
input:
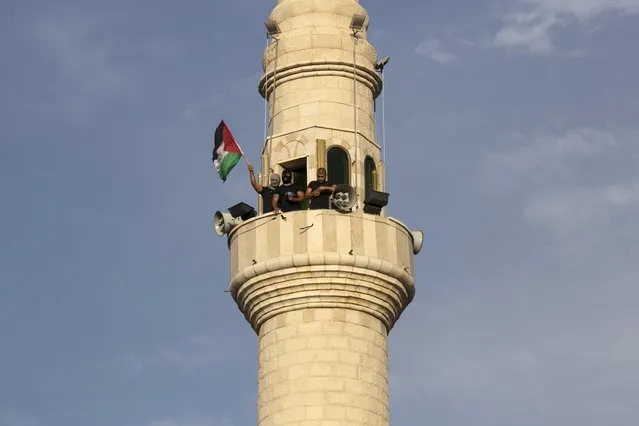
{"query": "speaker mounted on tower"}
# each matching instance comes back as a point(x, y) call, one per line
point(243, 211)
point(224, 222)
point(344, 198)
point(375, 201)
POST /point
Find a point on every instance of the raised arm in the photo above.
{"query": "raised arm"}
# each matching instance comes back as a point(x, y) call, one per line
point(299, 196)
point(258, 188)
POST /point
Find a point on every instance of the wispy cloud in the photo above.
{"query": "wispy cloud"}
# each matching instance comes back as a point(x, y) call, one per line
point(531, 24)
point(545, 159)
point(435, 50)
point(583, 10)
point(530, 31)
point(565, 210)
point(580, 189)
point(542, 363)
point(188, 355)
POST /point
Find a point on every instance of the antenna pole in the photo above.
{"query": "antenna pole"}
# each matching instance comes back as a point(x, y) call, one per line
point(271, 121)
point(385, 180)
point(265, 102)
point(384, 126)
point(355, 118)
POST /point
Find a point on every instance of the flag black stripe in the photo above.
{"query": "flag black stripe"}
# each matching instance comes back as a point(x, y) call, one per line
point(219, 139)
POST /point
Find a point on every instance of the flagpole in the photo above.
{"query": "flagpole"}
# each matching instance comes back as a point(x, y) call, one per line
point(243, 155)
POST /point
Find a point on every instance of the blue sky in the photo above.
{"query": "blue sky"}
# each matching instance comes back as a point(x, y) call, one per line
point(512, 141)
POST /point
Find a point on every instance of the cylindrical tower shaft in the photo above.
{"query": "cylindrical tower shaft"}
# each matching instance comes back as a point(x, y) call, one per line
point(323, 364)
point(322, 290)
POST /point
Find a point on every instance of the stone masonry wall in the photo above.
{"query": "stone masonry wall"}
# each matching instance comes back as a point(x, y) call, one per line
point(323, 367)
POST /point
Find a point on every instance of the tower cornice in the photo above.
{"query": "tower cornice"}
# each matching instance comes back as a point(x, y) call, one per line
point(284, 74)
point(375, 287)
point(322, 259)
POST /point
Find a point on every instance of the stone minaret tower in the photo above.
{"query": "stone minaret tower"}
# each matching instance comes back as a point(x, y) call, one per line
point(322, 288)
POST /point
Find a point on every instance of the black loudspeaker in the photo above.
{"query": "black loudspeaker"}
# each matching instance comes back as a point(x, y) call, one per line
point(243, 211)
point(375, 201)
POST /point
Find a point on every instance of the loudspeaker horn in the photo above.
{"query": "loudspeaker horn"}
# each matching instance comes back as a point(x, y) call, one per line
point(418, 241)
point(344, 197)
point(223, 222)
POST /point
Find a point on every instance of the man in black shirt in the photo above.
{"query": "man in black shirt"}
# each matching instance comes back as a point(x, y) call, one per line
point(319, 191)
point(288, 195)
point(267, 192)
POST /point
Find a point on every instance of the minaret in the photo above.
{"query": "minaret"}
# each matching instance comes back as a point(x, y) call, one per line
point(322, 288)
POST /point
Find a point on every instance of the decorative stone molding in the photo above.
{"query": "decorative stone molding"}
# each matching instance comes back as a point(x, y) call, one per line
point(325, 69)
point(370, 290)
point(321, 259)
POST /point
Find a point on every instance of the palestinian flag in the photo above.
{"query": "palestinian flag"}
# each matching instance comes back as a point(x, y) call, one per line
point(226, 152)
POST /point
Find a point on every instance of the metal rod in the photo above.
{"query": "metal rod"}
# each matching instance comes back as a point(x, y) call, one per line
point(270, 139)
point(265, 172)
point(384, 125)
point(316, 126)
point(355, 116)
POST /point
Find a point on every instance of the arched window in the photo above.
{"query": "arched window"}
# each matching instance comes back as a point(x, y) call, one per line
point(337, 166)
point(370, 175)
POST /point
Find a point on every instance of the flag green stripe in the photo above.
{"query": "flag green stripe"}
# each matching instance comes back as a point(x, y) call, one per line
point(229, 160)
